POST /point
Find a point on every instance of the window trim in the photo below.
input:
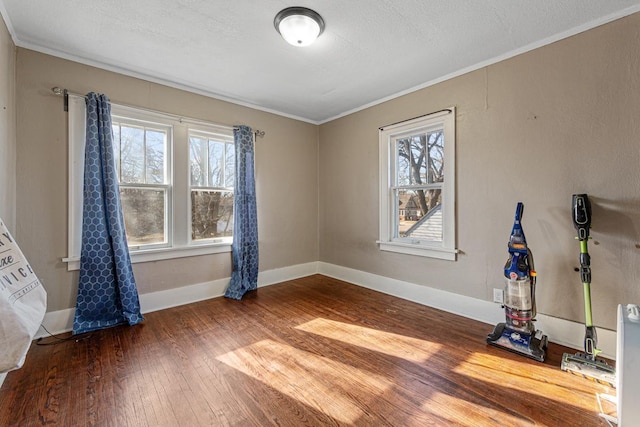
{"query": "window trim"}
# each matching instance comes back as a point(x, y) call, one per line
point(181, 246)
point(131, 117)
point(206, 131)
point(446, 249)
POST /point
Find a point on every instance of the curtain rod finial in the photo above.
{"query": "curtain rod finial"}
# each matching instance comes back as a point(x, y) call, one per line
point(57, 90)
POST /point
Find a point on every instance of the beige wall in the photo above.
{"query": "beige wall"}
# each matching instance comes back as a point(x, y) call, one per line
point(536, 128)
point(286, 175)
point(7, 128)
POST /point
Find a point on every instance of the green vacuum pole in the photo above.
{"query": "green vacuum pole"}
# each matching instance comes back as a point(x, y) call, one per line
point(586, 284)
point(586, 363)
point(590, 337)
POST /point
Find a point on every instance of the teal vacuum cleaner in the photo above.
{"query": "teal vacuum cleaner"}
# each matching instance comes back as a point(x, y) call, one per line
point(518, 333)
point(586, 364)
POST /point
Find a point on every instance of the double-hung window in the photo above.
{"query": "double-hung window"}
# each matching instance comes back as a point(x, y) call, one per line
point(142, 153)
point(417, 186)
point(176, 181)
point(212, 159)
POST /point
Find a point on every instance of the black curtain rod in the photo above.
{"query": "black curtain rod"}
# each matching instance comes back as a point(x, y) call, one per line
point(65, 93)
point(417, 117)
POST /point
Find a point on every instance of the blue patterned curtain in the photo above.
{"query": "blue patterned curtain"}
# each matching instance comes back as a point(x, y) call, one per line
point(244, 277)
point(107, 292)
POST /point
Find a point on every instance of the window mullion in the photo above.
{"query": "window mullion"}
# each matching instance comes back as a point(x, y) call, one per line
point(223, 163)
point(205, 153)
point(434, 186)
point(144, 155)
point(145, 186)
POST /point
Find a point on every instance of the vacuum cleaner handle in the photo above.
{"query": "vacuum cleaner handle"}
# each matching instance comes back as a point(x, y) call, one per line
point(517, 241)
point(519, 212)
point(581, 215)
point(582, 223)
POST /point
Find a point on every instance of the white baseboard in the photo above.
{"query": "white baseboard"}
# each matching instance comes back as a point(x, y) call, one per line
point(559, 331)
point(278, 275)
point(61, 321)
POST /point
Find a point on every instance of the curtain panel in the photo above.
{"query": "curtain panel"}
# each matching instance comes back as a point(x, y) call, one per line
point(107, 291)
point(244, 276)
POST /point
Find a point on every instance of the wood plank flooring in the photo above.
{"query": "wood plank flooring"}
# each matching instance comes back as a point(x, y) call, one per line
point(309, 352)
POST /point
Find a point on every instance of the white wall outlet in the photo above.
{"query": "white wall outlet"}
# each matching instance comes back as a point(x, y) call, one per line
point(498, 295)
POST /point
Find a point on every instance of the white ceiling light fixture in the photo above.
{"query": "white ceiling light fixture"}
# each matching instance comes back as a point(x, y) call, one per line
point(299, 26)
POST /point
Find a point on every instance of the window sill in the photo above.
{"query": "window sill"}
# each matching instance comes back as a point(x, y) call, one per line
point(73, 263)
point(419, 250)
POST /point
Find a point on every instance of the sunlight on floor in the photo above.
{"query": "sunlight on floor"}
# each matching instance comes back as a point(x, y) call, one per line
point(343, 391)
point(395, 345)
point(519, 376)
point(316, 381)
point(450, 408)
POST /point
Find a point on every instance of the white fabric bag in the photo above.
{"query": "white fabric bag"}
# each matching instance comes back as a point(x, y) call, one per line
point(23, 303)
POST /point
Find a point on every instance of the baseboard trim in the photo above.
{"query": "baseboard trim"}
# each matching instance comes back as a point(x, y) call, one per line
point(61, 321)
point(559, 331)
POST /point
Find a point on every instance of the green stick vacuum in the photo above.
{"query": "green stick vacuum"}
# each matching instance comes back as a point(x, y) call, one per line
point(586, 364)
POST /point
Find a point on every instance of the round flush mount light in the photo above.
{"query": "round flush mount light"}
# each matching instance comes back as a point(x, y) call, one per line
point(299, 26)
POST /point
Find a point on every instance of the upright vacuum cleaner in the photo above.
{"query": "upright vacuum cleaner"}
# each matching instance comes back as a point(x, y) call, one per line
point(517, 333)
point(586, 364)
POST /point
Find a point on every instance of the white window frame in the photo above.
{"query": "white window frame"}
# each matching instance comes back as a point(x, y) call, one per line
point(178, 211)
point(127, 116)
point(211, 133)
point(444, 249)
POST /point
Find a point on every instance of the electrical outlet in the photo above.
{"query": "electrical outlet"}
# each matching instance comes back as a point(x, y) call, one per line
point(498, 295)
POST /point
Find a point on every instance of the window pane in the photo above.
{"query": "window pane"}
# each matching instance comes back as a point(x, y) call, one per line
point(131, 154)
point(216, 163)
point(403, 173)
point(419, 214)
point(144, 215)
point(420, 159)
point(412, 160)
point(230, 166)
point(211, 214)
point(198, 159)
point(436, 156)
point(155, 157)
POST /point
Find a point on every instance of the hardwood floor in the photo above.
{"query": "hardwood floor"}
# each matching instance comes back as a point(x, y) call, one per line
point(310, 352)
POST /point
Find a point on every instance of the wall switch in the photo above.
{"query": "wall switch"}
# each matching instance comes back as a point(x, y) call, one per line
point(498, 295)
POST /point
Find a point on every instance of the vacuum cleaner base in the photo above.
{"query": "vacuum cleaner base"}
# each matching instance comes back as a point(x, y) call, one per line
point(597, 370)
point(533, 346)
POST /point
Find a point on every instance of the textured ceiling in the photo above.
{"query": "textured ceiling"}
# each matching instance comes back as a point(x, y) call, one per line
point(371, 50)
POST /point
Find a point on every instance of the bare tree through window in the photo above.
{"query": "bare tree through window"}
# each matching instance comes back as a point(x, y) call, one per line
point(420, 173)
point(141, 160)
point(212, 174)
